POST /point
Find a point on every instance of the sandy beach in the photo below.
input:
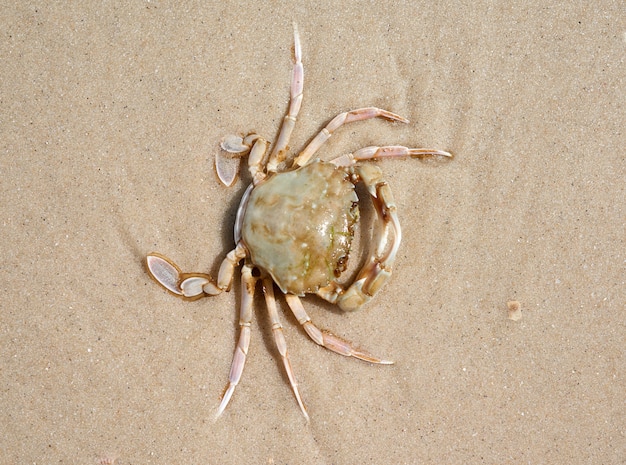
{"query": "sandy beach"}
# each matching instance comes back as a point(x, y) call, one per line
point(111, 119)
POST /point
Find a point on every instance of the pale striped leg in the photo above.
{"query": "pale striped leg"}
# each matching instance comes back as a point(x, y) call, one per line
point(227, 268)
point(391, 151)
point(248, 283)
point(257, 159)
point(338, 121)
point(279, 339)
point(326, 339)
point(295, 102)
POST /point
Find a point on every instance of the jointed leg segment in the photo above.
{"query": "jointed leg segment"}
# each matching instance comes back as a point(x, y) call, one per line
point(326, 339)
point(279, 339)
point(192, 286)
point(228, 167)
point(343, 118)
point(391, 151)
point(295, 102)
point(248, 283)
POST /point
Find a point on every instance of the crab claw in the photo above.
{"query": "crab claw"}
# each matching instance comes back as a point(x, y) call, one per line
point(190, 286)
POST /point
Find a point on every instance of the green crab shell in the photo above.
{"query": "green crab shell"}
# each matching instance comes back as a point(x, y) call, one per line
point(298, 226)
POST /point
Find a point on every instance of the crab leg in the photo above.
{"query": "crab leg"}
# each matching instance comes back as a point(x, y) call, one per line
point(227, 268)
point(227, 167)
point(256, 160)
point(295, 102)
point(326, 339)
point(338, 121)
point(192, 286)
point(378, 267)
point(279, 339)
point(245, 318)
point(391, 151)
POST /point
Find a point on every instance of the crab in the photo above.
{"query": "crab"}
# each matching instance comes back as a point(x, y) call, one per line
point(294, 228)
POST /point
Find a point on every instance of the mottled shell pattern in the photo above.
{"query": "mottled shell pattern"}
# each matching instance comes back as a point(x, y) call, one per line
point(306, 243)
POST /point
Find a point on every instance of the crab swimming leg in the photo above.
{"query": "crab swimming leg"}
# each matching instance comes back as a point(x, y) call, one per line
point(248, 283)
point(295, 102)
point(279, 339)
point(227, 166)
point(343, 118)
point(192, 286)
point(326, 339)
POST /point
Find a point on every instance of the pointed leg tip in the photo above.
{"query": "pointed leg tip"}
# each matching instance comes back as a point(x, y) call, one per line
point(398, 118)
point(304, 412)
point(378, 361)
point(220, 411)
point(367, 357)
point(225, 400)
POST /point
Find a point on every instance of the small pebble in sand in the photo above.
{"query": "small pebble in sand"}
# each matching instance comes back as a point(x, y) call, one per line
point(515, 310)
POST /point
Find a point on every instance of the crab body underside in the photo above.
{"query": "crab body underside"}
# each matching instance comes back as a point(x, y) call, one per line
point(295, 228)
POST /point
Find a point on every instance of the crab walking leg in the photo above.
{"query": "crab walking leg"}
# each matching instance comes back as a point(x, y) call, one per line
point(227, 268)
point(295, 102)
point(256, 160)
point(279, 339)
point(245, 318)
point(326, 339)
point(338, 121)
point(391, 151)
